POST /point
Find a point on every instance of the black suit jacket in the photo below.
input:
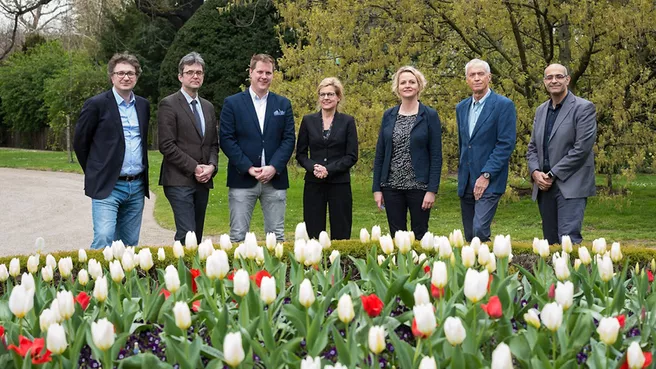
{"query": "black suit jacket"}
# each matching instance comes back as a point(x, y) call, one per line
point(100, 145)
point(182, 144)
point(338, 153)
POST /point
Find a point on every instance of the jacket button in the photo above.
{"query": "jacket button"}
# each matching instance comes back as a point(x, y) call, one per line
point(470, 146)
point(325, 159)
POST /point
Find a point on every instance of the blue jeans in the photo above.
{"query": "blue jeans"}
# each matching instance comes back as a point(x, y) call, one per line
point(118, 217)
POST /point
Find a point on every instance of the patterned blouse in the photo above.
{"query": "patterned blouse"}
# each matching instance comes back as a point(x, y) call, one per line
point(401, 174)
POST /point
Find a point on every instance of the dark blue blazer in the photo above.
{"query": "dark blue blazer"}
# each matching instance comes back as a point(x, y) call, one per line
point(425, 147)
point(490, 145)
point(100, 145)
point(242, 141)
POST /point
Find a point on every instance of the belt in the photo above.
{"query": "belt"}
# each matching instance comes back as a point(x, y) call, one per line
point(130, 178)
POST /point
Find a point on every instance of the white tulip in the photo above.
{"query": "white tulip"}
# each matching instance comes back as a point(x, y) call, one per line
point(182, 315)
point(375, 233)
point(565, 294)
point(605, 268)
point(313, 251)
point(615, 252)
point(345, 310)
point(386, 244)
point(66, 304)
point(205, 249)
point(439, 277)
point(501, 246)
point(172, 279)
point(95, 269)
point(47, 274)
point(14, 267)
point(306, 295)
point(145, 259)
point(599, 246)
point(381, 259)
point(271, 241)
point(240, 252)
point(561, 267)
point(301, 232)
point(191, 242)
point(364, 235)
point(241, 283)
point(476, 285)
point(421, 258)
point(279, 250)
point(324, 240)
point(46, 319)
point(476, 244)
point(116, 271)
point(491, 265)
point(454, 330)
point(468, 256)
point(268, 290)
point(161, 254)
point(428, 362)
point(178, 250)
point(250, 245)
point(483, 254)
point(421, 295)
point(566, 243)
point(56, 339)
point(259, 255)
point(552, 316)
point(333, 255)
point(51, 261)
point(311, 363)
point(577, 264)
point(456, 238)
point(225, 243)
point(21, 301)
point(65, 267)
point(336, 366)
point(427, 241)
point(100, 289)
point(584, 255)
point(377, 339)
point(634, 356)
point(425, 318)
point(501, 357)
point(608, 329)
point(233, 351)
point(532, 317)
point(443, 247)
point(127, 260)
point(39, 245)
point(83, 277)
point(543, 249)
point(402, 241)
point(33, 264)
point(82, 256)
point(118, 248)
point(27, 280)
point(102, 334)
point(4, 273)
point(217, 265)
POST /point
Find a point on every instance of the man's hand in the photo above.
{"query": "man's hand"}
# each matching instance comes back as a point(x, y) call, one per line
point(206, 173)
point(254, 171)
point(542, 180)
point(378, 198)
point(480, 186)
point(266, 173)
point(320, 171)
point(429, 200)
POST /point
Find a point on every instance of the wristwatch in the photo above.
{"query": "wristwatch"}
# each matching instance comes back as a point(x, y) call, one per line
point(486, 175)
point(550, 174)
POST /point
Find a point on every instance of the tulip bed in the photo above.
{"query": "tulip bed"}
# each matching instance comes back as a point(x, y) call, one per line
point(430, 303)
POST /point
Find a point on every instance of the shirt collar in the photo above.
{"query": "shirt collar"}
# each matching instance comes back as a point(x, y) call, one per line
point(560, 104)
point(482, 100)
point(119, 99)
point(257, 98)
point(188, 97)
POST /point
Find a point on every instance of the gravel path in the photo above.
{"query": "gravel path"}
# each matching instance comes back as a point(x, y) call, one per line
point(52, 205)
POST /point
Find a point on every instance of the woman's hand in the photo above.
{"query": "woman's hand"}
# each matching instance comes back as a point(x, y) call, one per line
point(429, 200)
point(378, 198)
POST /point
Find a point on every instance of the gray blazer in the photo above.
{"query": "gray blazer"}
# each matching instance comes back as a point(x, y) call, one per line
point(570, 146)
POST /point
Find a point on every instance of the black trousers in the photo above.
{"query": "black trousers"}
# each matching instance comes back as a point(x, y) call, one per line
point(335, 197)
point(397, 205)
point(189, 205)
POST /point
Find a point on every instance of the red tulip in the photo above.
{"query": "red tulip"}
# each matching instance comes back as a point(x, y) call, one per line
point(427, 269)
point(195, 306)
point(552, 291)
point(650, 276)
point(415, 331)
point(621, 319)
point(257, 277)
point(165, 292)
point(83, 299)
point(231, 275)
point(493, 308)
point(194, 274)
point(372, 305)
point(648, 360)
point(36, 349)
point(437, 293)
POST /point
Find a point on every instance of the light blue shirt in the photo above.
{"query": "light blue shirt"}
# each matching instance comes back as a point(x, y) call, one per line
point(133, 158)
point(198, 107)
point(475, 110)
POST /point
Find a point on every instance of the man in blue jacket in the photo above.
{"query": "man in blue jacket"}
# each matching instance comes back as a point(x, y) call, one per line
point(256, 132)
point(486, 139)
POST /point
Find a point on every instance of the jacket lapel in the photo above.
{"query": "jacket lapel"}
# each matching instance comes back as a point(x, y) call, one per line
point(270, 105)
point(250, 108)
point(420, 116)
point(184, 105)
point(568, 104)
point(488, 108)
point(540, 121)
point(464, 113)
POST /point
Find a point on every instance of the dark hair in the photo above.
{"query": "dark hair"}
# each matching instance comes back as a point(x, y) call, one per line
point(123, 57)
point(190, 59)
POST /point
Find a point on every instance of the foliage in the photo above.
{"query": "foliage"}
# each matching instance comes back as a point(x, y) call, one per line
point(226, 35)
point(22, 85)
point(608, 47)
point(66, 91)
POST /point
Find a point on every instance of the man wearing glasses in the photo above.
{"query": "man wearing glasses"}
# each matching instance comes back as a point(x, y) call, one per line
point(188, 139)
point(111, 137)
point(560, 157)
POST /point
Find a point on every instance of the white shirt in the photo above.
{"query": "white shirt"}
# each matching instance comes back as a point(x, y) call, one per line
point(198, 106)
point(260, 104)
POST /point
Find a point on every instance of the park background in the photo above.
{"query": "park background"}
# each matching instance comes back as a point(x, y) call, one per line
point(54, 54)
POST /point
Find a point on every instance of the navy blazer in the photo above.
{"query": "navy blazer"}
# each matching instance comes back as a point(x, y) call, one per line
point(425, 147)
point(242, 140)
point(100, 145)
point(338, 153)
point(490, 145)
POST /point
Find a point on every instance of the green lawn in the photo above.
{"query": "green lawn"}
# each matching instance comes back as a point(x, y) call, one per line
point(629, 218)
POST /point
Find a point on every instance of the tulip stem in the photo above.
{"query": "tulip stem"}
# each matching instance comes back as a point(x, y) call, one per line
point(553, 347)
point(418, 349)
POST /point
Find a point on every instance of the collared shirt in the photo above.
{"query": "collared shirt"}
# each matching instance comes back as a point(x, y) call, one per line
point(552, 115)
point(260, 104)
point(133, 158)
point(475, 110)
point(198, 106)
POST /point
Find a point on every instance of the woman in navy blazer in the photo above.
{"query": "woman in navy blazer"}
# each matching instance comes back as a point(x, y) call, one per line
point(332, 140)
point(408, 161)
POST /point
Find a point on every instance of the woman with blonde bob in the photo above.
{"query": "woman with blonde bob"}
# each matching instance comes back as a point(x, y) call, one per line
point(408, 161)
point(332, 141)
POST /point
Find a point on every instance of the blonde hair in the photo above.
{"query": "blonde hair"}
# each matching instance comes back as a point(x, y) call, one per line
point(339, 90)
point(265, 58)
point(421, 80)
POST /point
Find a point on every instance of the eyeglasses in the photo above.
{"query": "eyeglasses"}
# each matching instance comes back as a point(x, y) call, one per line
point(191, 73)
point(122, 74)
point(324, 95)
point(558, 77)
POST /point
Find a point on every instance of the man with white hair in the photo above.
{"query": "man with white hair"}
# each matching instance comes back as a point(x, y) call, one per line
point(486, 138)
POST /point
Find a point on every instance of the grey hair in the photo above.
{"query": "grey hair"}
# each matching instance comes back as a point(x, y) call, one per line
point(190, 59)
point(477, 62)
